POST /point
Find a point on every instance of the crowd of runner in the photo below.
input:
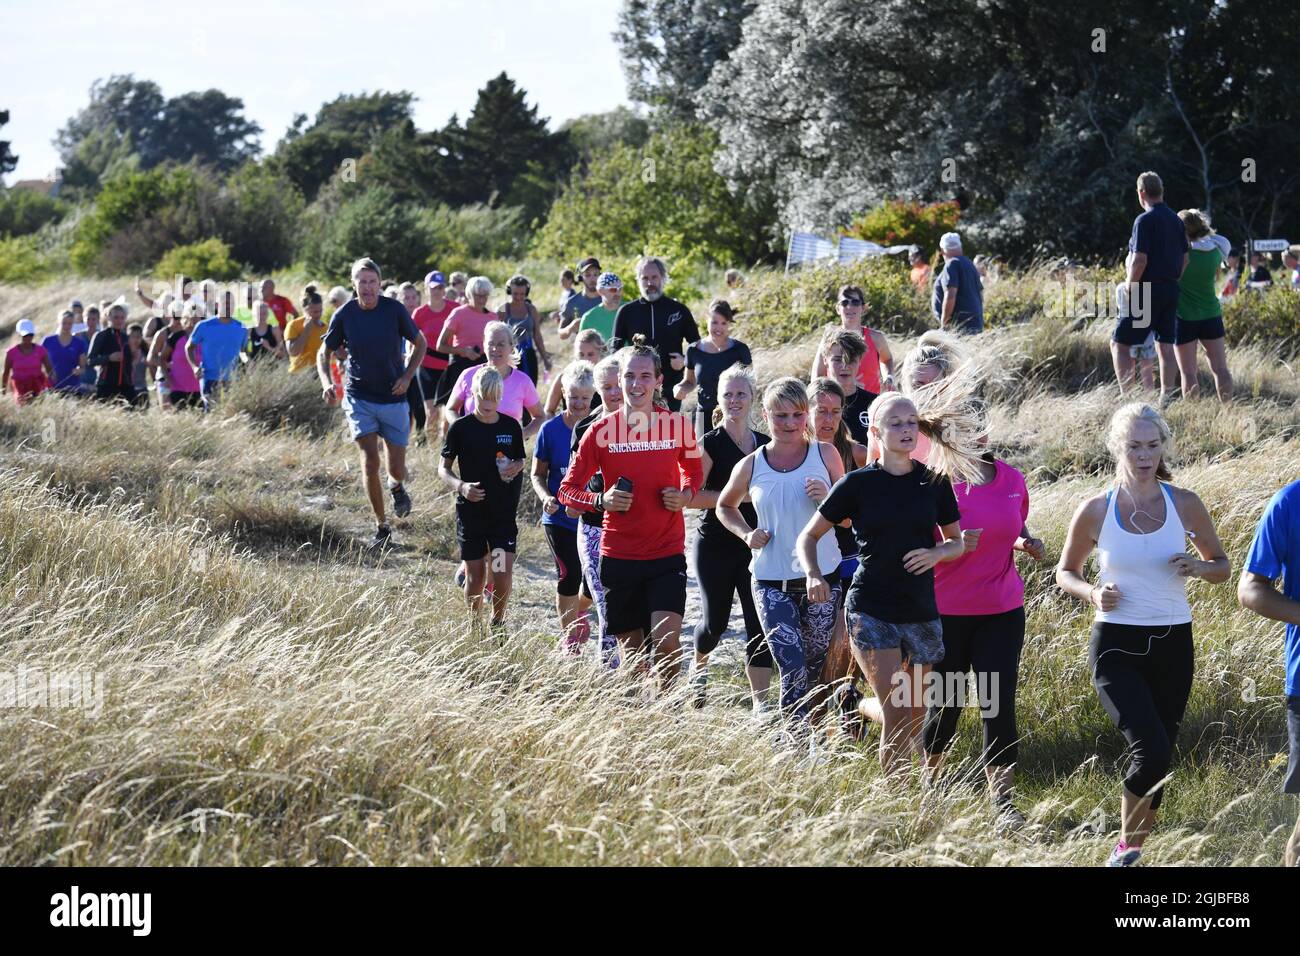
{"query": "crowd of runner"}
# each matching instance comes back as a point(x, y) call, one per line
point(869, 535)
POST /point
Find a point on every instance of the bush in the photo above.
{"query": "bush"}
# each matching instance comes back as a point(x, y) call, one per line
point(21, 260)
point(778, 308)
point(209, 258)
point(1270, 315)
point(23, 211)
point(372, 222)
point(898, 223)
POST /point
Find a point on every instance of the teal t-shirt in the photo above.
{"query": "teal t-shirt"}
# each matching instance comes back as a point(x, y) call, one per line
point(600, 319)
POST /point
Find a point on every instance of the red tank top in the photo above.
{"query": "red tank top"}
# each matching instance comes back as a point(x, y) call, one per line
point(869, 367)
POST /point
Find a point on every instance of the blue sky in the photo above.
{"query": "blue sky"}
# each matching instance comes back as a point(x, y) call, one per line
point(284, 58)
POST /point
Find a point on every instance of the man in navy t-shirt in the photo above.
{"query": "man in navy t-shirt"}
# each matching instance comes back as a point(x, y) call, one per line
point(1156, 260)
point(373, 327)
point(958, 292)
point(1275, 553)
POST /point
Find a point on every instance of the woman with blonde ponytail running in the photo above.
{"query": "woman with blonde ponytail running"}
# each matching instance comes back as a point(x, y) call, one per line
point(1141, 652)
point(894, 506)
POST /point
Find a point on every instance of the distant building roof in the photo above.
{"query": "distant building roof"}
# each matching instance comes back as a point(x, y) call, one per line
point(49, 186)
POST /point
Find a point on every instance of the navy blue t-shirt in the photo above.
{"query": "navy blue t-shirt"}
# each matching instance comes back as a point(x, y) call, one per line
point(968, 312)
point(1162, 236)
point(374, 340)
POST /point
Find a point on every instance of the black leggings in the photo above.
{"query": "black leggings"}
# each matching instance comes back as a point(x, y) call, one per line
point(989, 644)
point(564, 548)
point(415, 399)
point(722, 570)
point(1143, 676)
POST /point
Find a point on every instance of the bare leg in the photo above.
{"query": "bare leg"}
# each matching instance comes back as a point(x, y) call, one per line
point(1187, 369)
point(1293, 846)
point(1168, 368)
point(1123, 364)
point(1139, 819)
point(665, 630)
point(503, 567)
point(396, 461)
point(1216, 350)
point(369, 445)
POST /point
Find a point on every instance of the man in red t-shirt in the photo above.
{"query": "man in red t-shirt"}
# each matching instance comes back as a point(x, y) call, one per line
point(429, 319)
point(281, 307)
point(650, 463)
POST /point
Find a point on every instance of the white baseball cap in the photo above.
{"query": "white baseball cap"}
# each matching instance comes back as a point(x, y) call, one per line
point(950, 240)
point(26, 327)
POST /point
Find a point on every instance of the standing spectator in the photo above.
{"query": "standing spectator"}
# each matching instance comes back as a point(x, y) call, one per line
point(601, 318)
point(1260, 276)
point(461, 337)
point(27, 365)
point(373, 327)
point(1275, 553)
point(67, 353)
point(580, 300)
point(959, 293)
point(707, 359)
point(920, 271)
point(666, 323)
point(525, 325)
point(734, 278)
point(110, 354)
point(222, 340)
point(304, 334)
point(280, 305)
point(429, 319)
point(1157, 258)
point(1292, 263)
point(1200, 315)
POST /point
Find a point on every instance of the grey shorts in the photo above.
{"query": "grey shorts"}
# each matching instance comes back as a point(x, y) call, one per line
point(921, 642)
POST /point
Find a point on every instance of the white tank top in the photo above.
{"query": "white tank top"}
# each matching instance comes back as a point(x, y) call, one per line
point(783, 508)
point(1151, 592)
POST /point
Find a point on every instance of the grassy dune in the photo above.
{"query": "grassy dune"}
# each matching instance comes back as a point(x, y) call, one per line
point(273, 696)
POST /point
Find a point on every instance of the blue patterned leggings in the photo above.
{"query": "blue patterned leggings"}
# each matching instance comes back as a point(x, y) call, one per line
point(798, 633)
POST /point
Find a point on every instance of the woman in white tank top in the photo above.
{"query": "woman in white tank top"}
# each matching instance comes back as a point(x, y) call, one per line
point(1141, 652)
point(786, 480)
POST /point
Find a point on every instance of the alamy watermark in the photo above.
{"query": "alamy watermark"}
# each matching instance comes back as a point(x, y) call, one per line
point(39, 688)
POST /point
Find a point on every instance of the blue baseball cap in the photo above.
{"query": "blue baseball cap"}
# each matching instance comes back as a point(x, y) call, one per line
point(609, 280)
point(435, 278)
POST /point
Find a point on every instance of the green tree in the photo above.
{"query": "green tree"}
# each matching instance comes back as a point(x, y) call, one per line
point(372, 222)
point(206, 126)
point(258, 216)
point(8, 161)
point(664, 198)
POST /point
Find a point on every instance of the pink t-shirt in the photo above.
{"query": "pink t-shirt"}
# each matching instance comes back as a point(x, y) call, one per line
point(517, 392)
point(430, 323)
point(180, 377)
point(467, 324)
point(986, 580)
point(27, 375)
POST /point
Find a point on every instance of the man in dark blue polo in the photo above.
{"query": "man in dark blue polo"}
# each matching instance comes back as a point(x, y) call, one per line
point(959, 291)
point(374, 328)
point(1156, 260)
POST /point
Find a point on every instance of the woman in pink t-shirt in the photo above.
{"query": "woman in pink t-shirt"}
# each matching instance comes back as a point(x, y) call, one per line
point(981, 601)
point(518, 393)
point(27, 365)
point(461, 338)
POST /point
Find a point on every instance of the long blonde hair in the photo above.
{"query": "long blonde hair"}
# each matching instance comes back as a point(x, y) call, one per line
point(950, 414)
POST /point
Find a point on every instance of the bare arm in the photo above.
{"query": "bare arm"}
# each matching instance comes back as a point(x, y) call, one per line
point(728, 505)
point(1085, 527)
point(1137, 264)
point(1214, 565)
point(538, 339)
point(298, 343)
point(553, 396)
point(886, 355)
point(685, 386)
point(818, 366)
point(1257, 593)
point(538, 419)
point(705, 499)
point(949, 303)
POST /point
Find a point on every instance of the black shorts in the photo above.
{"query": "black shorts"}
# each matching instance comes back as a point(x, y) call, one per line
point(564, 548)
point(1292, 782)
point(1204, 330)
point(636, 589)
point(449, 377)
point(430, 380)
point(478, 542)
point(1158, 303)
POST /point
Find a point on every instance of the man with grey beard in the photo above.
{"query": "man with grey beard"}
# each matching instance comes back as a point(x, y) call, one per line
point(666, 323)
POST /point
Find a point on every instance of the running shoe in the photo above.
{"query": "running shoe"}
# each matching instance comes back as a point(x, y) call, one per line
point(1124, 855)
point(382, 539)
point(401, 501)
point(1007, 817)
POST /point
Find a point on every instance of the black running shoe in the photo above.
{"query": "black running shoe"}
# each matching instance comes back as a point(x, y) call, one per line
point(401, 502)
point(382, 539)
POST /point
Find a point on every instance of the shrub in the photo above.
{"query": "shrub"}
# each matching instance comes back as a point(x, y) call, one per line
point(1270, 315)
point(778, 308)
point(23, 211)
point(272, 398)
point(899, 223)
point(210, 258)
point(21, 260)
